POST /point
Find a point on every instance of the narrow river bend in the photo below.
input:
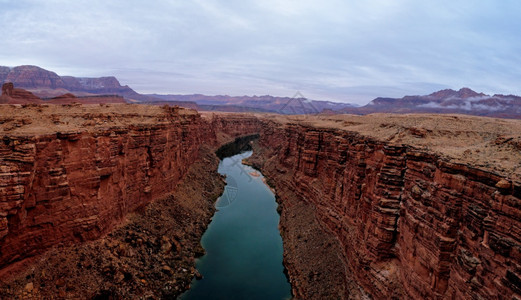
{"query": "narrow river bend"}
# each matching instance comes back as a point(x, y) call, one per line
point(243, 246)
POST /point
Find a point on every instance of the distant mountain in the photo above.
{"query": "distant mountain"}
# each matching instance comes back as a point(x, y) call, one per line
point(12, 95)
point(283, 105)
point(464, 101)
point(47, 84)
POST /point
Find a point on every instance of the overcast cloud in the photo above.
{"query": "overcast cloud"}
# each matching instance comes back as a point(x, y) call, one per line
point(351, 51)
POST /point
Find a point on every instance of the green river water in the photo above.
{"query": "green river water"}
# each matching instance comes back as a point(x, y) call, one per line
point(243, 246)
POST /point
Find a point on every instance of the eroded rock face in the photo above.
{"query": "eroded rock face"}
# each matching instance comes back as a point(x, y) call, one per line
point(75, 186)
point(410, 224)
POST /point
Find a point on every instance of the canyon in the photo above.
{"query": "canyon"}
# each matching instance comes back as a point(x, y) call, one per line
point(378, 206)
point(72, 173)
point(73, 185)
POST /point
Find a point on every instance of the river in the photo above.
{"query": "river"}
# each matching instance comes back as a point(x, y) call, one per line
point(243, 246)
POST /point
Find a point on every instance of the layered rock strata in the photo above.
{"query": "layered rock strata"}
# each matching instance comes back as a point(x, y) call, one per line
point(150, 255)
point(369, 208)
point(75, 185)
point(411, 224)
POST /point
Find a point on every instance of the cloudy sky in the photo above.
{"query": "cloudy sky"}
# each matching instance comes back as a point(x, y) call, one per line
point(342, 50)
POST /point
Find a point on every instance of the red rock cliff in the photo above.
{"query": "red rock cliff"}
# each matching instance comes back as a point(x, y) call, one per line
point(68, 185)
point(410, 223)
point(407, 223)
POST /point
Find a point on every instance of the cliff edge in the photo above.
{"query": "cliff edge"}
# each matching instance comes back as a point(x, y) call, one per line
point(419, 206)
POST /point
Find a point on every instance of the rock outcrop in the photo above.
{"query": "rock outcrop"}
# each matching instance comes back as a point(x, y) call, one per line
point(411, 224)
point(12, 95)
point(7, 89)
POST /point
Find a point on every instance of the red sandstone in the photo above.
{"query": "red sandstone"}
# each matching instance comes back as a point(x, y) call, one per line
point(412, 217)
point(62, 186)
point(411, 223)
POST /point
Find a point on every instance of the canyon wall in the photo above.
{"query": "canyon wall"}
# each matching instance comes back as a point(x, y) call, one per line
point(63, 187)
point(392, 221)
point(410, 224)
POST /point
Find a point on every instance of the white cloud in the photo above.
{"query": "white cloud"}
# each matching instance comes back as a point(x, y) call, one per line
point(331, 49)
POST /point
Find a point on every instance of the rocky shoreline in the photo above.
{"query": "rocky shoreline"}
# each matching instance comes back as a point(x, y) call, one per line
point(311, 252)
